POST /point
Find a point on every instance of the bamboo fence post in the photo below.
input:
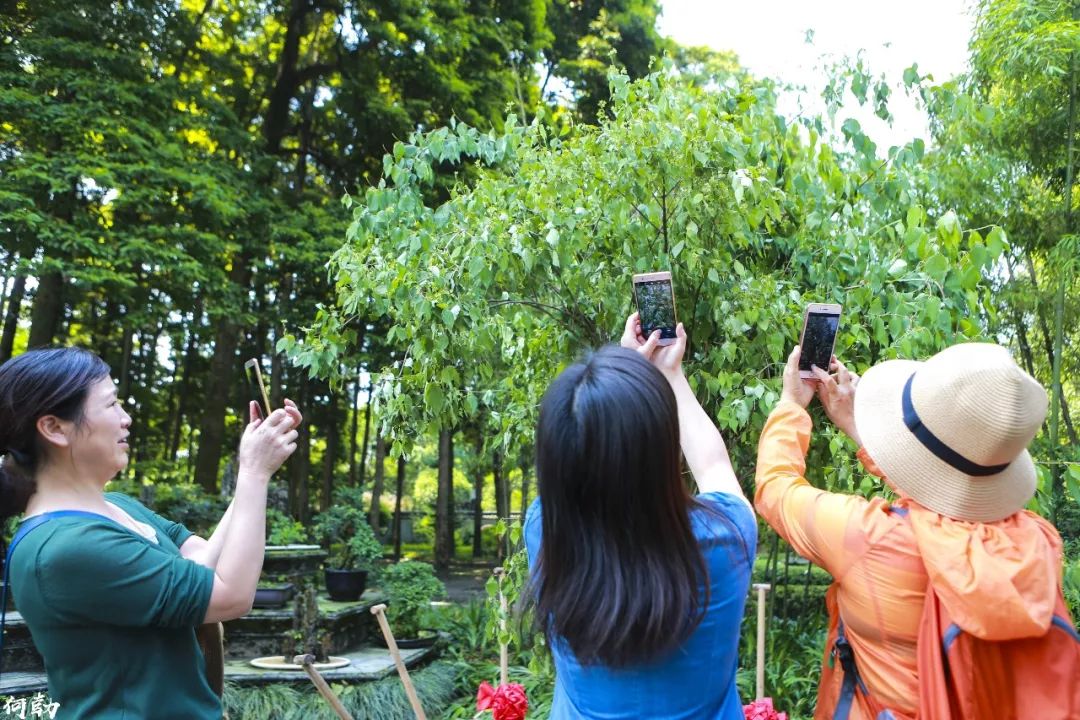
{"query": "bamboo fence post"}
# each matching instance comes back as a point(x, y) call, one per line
point(762, 589)
point(379, 611)
point(321, 685)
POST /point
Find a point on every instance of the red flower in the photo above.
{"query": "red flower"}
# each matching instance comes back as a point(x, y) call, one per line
point(507, 702)
point(762, 710)
point(484, 696)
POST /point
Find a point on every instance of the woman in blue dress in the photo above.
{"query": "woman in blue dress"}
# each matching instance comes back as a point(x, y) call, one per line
point(638, 584)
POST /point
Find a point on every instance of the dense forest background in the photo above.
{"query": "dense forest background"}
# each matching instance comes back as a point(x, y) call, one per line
point(171, 184)
point(171, 175)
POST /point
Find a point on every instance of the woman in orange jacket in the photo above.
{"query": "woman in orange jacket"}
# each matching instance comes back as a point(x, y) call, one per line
point(949, 436)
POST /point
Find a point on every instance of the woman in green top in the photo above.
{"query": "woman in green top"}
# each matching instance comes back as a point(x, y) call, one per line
point(112, 592)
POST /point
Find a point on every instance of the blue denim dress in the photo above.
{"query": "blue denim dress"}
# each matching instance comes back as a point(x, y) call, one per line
point(697, 680)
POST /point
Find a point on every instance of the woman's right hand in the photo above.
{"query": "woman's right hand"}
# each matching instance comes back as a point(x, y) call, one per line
point(796, 389)
point(268, 443)
point(837, 396)
point(666, 358)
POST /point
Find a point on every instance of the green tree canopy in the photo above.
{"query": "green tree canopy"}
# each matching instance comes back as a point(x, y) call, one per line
point(530, 263)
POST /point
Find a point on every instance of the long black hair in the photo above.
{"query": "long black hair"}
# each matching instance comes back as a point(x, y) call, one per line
point(619, 567)
point(52, 381)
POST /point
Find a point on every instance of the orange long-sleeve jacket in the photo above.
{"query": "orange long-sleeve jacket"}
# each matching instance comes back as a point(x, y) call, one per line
point(1001, 579)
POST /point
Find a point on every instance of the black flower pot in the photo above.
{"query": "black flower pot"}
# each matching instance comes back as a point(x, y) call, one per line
point(426, 640)
point(273, 596)
point(345, 585)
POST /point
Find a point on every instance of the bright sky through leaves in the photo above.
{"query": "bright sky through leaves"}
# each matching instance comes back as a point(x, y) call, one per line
point(770, 38)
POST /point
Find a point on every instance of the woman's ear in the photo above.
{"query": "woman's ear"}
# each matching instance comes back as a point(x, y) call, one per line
point(54, 431)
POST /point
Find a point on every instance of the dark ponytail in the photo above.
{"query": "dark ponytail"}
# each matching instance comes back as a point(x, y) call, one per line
point(52, 381)
point(16, 487)
point(616, 523)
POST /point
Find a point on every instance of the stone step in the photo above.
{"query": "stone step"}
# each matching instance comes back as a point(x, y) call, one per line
point(368, 664)
point(261, 632)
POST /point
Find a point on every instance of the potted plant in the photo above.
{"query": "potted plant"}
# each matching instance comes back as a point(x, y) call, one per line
point(275, 590)
point(354, 550)
point(411, 586)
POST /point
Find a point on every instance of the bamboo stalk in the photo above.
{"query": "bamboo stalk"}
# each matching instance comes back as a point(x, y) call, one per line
point(379, 611)
point(1056, 399)
point(504, 655)
point(320, 684)
point(762, 589)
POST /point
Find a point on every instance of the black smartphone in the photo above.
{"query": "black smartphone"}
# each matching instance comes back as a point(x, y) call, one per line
point(256, 386)
point(820, 323)
point(656, 305)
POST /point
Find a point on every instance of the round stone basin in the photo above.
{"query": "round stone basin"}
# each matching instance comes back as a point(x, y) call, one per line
point(277, 662)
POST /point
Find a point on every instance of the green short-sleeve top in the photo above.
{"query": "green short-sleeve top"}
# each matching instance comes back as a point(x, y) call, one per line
point(114, 615)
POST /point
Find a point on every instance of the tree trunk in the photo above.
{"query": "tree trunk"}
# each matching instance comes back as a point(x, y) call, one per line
point(276, 118)
point(1021, 326)
point(502, 500)
point(190, 355)
point(400, 490)
point(1048, 345)
point(330, 454)
point(367, 429)
point(172, 403)
point(1057, 483)
point(478, 497)
point(11, 262)
point(444, 503)
point(377, 485)
point(300, 464)
point(47, 310)
point(141, 441)
point(1057, 398)
point(11, 318)
point(219, 386)
point(195, 36)
point(355, 429)
point(526, 469)
point(277, 369)
point(128, 345)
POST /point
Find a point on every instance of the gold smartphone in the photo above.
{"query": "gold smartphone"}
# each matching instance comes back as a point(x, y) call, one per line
point(820, 323)
point(256, 386)
point(656, 305)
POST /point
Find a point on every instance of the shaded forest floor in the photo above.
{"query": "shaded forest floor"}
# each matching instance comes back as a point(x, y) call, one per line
point(465, 579)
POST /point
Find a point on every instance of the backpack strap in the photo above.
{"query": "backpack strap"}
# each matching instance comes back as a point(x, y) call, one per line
point(1063, 624)
point(842, 651)
point(25, 527)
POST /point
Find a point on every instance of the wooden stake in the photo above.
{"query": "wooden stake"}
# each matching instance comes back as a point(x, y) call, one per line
point(320, 685)
point(762, 589)
point(504, 655)
point(379, 611)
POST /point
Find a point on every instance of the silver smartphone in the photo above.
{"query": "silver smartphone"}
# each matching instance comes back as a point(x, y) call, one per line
point(656, 305)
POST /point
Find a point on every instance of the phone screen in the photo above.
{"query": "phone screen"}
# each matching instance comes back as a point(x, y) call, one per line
point(256, 389)
point(656, 305)
point(817, 344)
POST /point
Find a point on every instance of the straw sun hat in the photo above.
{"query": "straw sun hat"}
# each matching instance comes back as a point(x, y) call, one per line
point(952, 432)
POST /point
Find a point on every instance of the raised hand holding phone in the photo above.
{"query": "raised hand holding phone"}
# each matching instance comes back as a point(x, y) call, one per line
point(268, 443)
point(666, 358)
